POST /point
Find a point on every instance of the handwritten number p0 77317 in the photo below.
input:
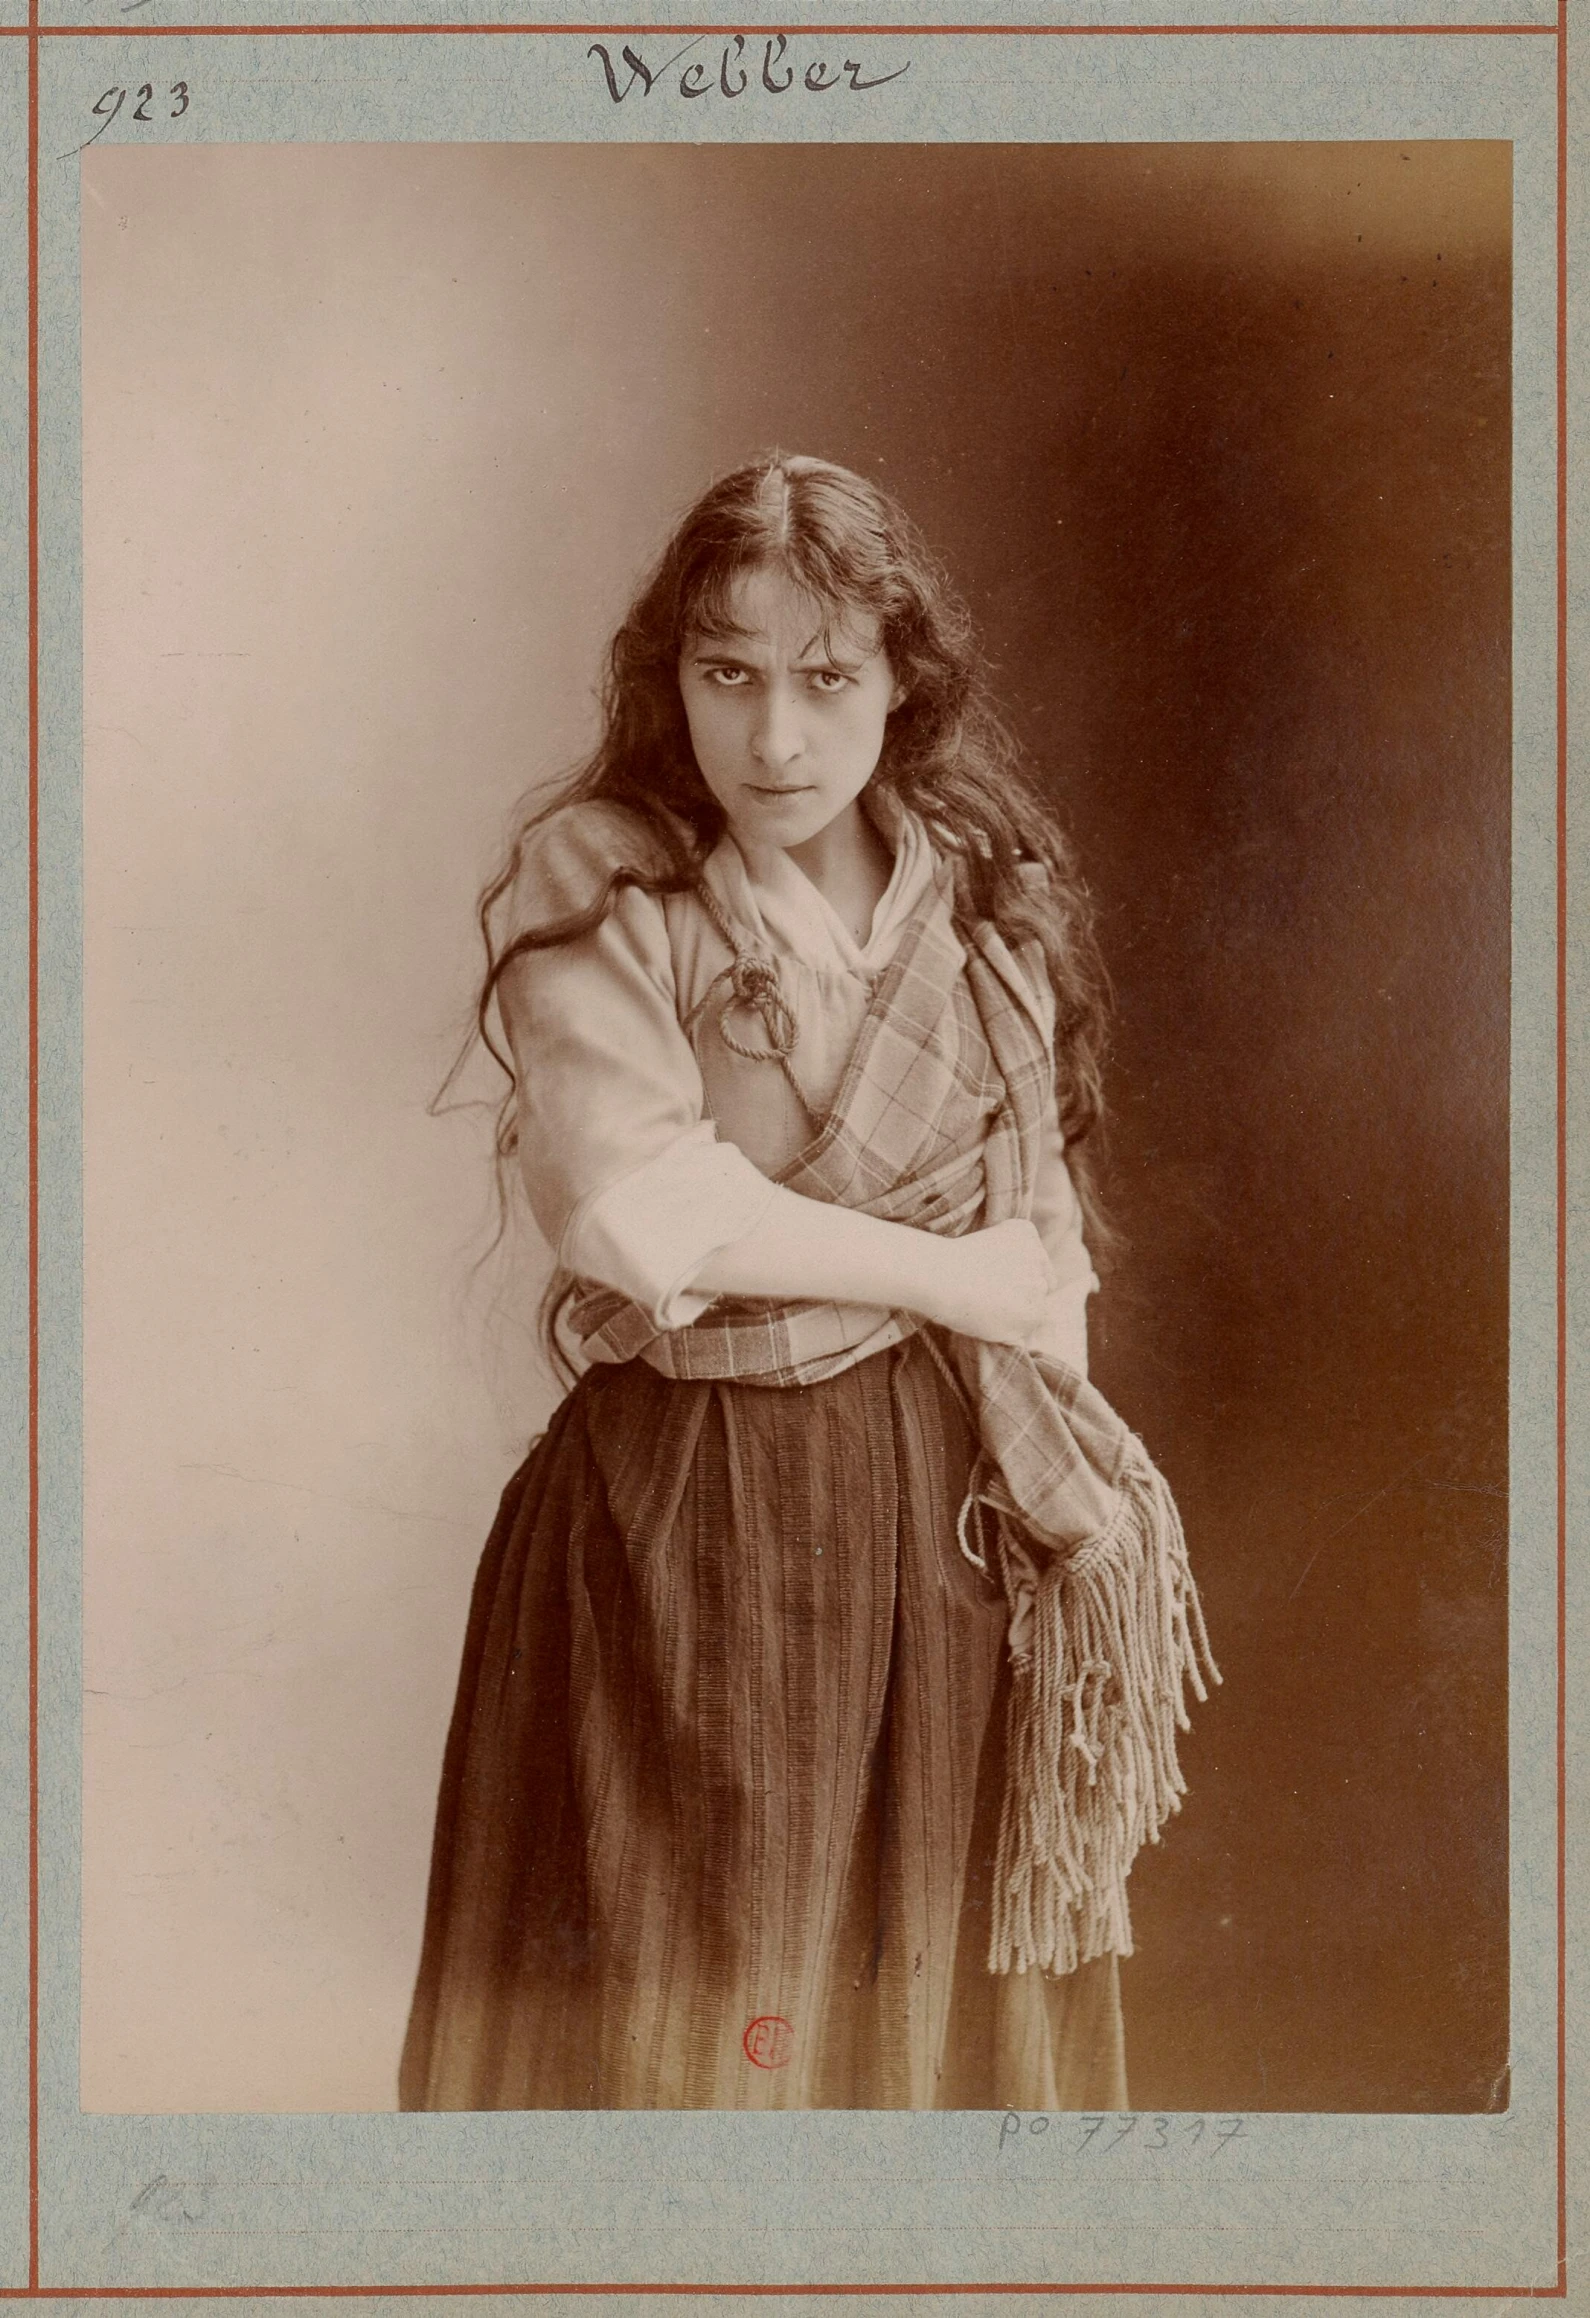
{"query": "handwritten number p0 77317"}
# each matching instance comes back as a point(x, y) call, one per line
point(1097, 2136)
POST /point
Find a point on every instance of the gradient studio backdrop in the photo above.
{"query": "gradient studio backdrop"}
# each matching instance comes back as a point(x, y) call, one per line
point(376, 438)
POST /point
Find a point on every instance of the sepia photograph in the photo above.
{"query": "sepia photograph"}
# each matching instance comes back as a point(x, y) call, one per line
point(797, 925)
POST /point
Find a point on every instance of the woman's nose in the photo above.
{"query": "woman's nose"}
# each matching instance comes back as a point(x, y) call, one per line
point(776, 737)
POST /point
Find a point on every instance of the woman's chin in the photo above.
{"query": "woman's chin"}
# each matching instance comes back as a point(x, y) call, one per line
point(782, 821)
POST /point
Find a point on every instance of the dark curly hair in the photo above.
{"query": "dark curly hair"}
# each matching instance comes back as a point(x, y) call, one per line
point(946, 754)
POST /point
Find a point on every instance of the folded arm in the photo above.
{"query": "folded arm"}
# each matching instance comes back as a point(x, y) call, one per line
point(629, 1183)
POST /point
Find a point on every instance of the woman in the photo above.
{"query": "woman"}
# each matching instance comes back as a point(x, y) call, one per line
point(826, 1657)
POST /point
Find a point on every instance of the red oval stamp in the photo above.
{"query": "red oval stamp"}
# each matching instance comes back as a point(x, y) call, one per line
point(769, 2041)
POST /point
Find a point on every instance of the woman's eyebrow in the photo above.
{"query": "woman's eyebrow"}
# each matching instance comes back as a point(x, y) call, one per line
point(717, 647)
point(722, 643)
point(820, 648)
point(717, 631)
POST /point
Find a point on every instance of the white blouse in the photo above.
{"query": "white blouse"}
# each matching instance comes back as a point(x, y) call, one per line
point(646, 1143)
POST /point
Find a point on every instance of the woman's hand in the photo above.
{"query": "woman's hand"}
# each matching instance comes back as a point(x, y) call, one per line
point(991, 1284)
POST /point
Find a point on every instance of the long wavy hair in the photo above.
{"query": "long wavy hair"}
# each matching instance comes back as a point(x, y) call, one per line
point(946, 754)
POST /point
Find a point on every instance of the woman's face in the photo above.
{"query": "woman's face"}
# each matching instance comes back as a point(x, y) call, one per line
point(786, 721)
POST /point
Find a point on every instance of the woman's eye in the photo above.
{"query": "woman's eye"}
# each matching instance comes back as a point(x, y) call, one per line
point(729, 677)
point(829, 679)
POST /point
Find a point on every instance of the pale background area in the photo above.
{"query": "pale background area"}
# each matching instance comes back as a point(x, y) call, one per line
point(368, 468)
point(375, 442)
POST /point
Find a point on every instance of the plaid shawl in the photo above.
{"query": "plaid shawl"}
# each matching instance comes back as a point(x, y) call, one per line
point(938, 1123)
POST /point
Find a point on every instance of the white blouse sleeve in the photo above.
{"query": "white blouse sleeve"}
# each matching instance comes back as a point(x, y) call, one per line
point(625, 1175)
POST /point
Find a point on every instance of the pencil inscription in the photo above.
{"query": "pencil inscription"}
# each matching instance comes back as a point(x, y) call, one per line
point(1097, 2135)
point(738, 69)
point(173, 2201)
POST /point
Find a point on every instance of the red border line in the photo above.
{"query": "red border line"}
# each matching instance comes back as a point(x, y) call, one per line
point(33, 32)
point(1562, 1144)
point(642, 2286)
point(812, 31)
point(33, 1143)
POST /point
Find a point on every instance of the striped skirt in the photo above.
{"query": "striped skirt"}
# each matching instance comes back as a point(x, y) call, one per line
point(721, 1790)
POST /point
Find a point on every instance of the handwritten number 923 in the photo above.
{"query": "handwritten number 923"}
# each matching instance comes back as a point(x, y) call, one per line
point(169, 105)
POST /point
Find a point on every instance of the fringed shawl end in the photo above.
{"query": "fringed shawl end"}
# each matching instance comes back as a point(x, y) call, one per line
point(1105, 1639)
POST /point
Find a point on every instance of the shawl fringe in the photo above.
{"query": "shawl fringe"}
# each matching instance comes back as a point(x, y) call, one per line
point(1103, 1640)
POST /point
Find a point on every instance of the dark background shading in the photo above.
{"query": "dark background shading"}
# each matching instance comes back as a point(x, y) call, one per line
point(376, 439)
point(1217, 442)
